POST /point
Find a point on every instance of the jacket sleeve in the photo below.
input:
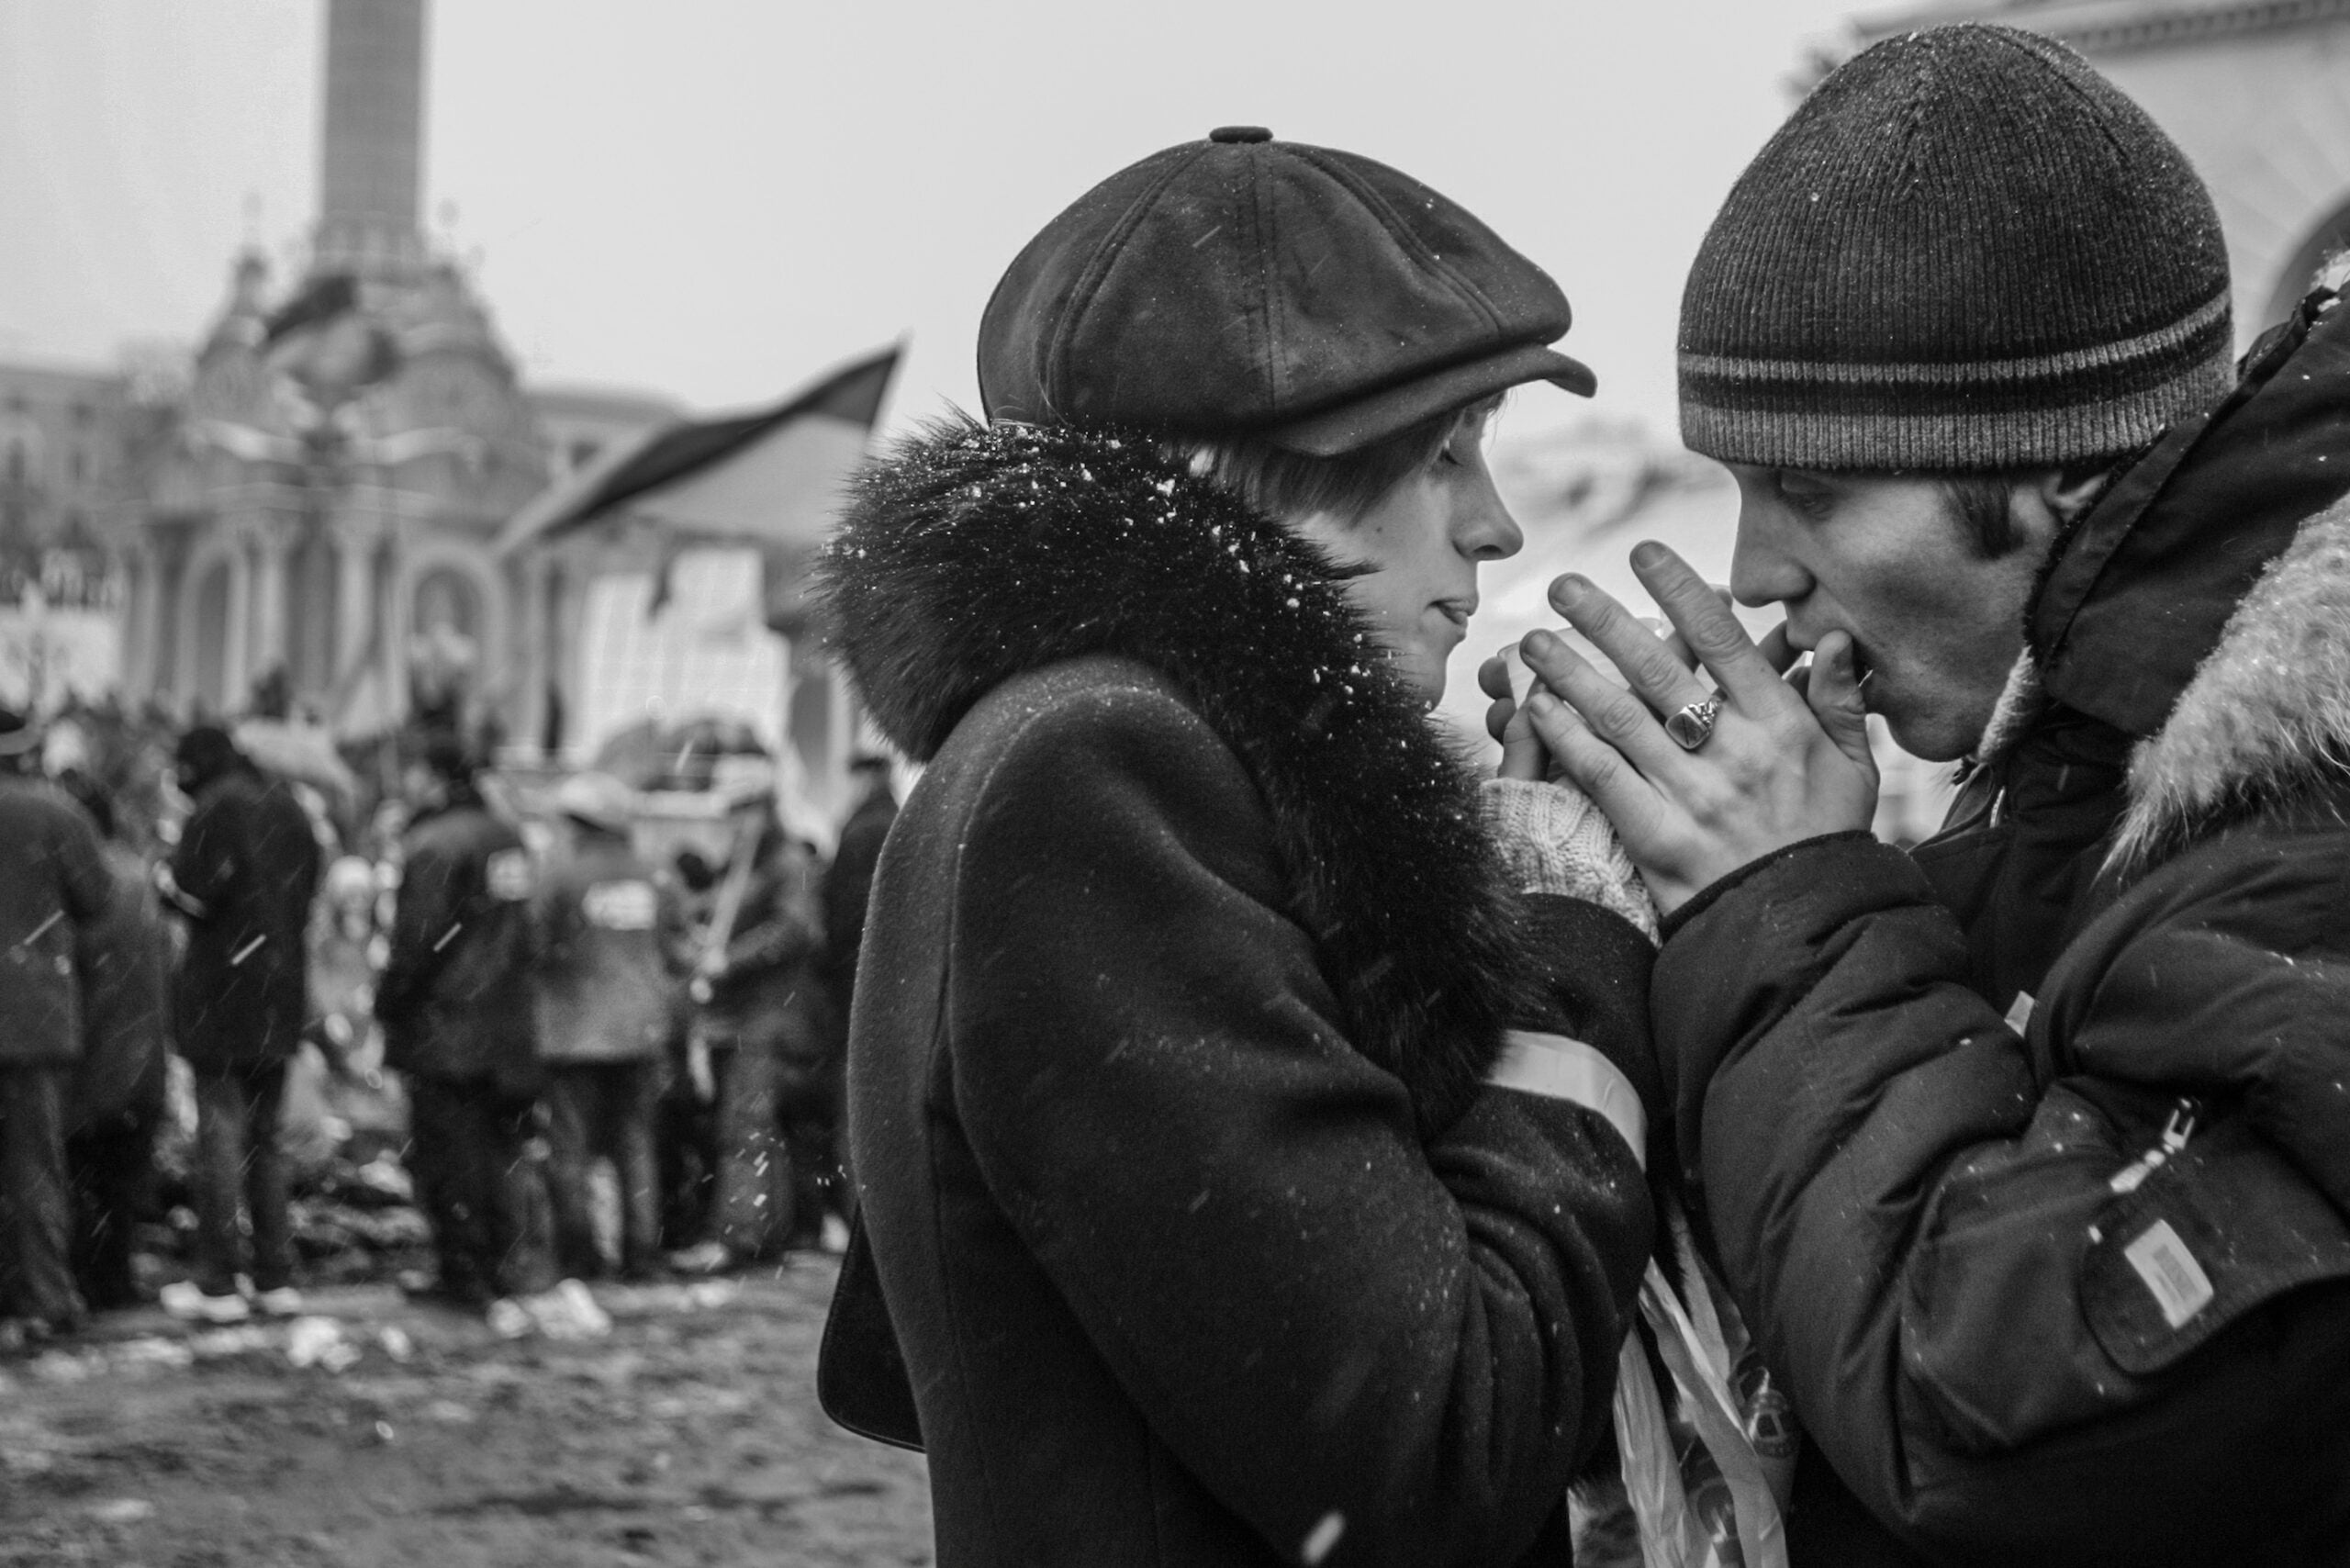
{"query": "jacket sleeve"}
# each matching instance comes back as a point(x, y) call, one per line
point(789, 926)
point(89, 886)
point(425, 915)
point(1912, 1217)
point(202, 869)
point(1323, 1317)
point(673, 927)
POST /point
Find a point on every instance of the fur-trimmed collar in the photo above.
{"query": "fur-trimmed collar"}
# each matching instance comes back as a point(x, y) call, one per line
point(2266, 716)
point(973, 555)
point(2021, 703)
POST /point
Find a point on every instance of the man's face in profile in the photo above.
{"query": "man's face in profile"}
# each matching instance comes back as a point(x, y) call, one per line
point(1889, 560)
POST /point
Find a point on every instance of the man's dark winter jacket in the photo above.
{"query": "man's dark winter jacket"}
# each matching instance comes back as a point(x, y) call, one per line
point(126, 962)
point(610, 941)
point(455, 999)
point(1202, 1241)
point(767, 996)
point(2017, 1341)
point(52, 882)
point(243, 873)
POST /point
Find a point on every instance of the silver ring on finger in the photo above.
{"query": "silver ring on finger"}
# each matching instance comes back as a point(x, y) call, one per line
point(1692, 726)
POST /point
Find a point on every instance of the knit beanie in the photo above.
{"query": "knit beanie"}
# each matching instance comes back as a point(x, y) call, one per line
point(207, 751)
point(1967, 251)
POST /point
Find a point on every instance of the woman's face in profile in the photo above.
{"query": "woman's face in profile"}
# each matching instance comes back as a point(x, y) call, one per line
point(1423, 542)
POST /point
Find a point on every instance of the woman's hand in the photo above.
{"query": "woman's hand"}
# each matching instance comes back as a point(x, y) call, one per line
point(1524, 757)
point(1786, 760)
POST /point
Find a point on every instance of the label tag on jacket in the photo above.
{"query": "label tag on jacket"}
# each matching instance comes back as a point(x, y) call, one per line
point(2181, 1288)
point(510, 874)
point(621, 906)
point(2020, 1012)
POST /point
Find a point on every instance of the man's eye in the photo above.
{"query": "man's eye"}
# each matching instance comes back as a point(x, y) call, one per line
point(1810, 501)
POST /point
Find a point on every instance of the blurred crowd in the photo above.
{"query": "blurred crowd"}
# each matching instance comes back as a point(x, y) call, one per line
point(581, 1044)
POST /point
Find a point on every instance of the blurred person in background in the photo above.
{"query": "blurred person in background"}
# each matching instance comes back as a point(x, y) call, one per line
point(686, 1128)
point(242, 876)
point(53, 886)
point(848, 881)
point(117, 1101)
point(610, 961)
point(455, 1006)
point(347, 952)
point(760, 1030)
point(847, 889)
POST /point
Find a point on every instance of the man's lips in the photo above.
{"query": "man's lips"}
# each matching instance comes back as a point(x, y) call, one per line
point(1863, 668)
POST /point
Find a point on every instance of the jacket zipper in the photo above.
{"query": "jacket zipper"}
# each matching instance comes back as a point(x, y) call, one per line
point(2176, 1132)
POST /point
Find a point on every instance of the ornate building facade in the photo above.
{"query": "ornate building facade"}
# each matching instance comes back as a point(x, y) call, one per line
point(323, 504)
point(64, 485)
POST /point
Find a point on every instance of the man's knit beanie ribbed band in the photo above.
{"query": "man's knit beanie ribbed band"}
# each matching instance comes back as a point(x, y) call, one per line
point(1967, 251)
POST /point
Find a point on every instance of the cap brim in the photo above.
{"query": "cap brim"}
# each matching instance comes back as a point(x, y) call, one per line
point(1358, 423)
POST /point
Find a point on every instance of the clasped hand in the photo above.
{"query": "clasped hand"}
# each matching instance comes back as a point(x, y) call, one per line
point(1788, 758)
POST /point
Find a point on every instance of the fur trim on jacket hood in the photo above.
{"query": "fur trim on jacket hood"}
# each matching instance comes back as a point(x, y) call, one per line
point(2202, 605)
point(2267, 716)
point(2265, 719)
point(972, 554)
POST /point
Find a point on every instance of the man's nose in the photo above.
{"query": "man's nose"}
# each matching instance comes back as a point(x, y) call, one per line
point(1761, 572)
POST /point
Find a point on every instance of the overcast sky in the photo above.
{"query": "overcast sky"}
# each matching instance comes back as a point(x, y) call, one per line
point(717, 198)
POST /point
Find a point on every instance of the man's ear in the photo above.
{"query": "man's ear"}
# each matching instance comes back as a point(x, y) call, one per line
point(2068, 492)
point(2044, 505)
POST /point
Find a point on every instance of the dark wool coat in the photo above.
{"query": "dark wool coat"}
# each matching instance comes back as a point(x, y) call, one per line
point(1204, 1242)
point(243, 873)
point(2014, 1352)
point(52, 882)
point(455, 999)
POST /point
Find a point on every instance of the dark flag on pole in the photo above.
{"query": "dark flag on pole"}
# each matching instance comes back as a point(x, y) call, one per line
point(772, 478)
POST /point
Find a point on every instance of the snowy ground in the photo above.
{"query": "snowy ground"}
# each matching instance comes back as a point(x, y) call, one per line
point(414, 1437)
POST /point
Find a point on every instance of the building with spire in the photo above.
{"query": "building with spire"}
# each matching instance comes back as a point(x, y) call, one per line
point(318, 512)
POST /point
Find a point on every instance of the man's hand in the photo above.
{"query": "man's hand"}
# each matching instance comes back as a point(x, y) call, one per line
point(1788, 759)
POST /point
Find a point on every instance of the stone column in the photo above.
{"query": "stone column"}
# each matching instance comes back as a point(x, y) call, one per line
point(168, 673)
point(565, 596)
point(354, 596)
point(528, 578)
point(237, 672)
point(137, 621)
point(273, 543)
